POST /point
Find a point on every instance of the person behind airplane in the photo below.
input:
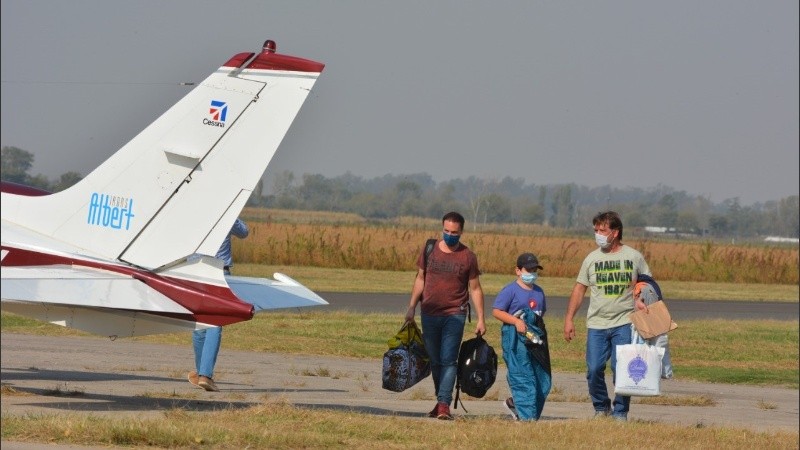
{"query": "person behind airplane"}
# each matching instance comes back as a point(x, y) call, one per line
point(206, 342)
point(516, 305)
point(611, 271)
point(650, 292)
point(444, 288)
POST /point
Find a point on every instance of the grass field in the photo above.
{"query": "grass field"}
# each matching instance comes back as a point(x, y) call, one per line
point(282, 426)
point(322, 279)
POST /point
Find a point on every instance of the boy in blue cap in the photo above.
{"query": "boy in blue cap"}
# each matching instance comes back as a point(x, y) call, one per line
point(521, 305)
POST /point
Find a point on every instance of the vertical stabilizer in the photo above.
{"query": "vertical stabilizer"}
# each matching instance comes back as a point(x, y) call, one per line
point(176, 188)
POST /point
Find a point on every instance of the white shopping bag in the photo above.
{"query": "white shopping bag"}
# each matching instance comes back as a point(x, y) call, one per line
point(638, 370)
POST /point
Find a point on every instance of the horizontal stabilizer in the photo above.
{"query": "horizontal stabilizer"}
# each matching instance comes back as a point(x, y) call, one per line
point(282, 292)
point(113, 323)
point(72, 285)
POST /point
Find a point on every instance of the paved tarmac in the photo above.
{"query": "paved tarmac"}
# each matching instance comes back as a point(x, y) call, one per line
point(557, 306)
point(137, 379)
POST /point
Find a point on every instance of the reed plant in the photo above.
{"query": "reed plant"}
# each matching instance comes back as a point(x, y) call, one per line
point(345, 244)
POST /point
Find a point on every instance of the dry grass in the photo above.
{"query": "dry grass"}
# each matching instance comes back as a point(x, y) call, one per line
point(276, 425)
point(363, 245)
point(318, 372)
point(676, 400)
point(10, 391)
point(64, 390)
point(186, 395)
point(766, 405)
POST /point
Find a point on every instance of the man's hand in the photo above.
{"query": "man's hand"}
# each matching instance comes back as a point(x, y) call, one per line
point(480, 329)
point(575, 300)
point(410, 313)
point(569, 330)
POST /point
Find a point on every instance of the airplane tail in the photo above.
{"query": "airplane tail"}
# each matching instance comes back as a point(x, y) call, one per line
point(127, 250)
point(176, 188)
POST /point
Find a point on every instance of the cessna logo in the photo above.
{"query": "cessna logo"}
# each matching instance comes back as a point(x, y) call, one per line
point(217, 114)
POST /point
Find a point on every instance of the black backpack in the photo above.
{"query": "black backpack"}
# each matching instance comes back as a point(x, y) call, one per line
point(428, 250)
point(477, 368)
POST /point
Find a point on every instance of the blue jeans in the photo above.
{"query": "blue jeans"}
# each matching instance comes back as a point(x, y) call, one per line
point(442, 335)
point(206, 347)
point(600, 346)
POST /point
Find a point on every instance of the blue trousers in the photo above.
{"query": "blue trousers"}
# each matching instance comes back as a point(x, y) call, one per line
point(442, 335)
point(528, 381)
point(601, 345)
point(206, 347)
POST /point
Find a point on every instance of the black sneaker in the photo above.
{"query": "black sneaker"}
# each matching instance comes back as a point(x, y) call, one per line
point(512, 410)
point(434, 412)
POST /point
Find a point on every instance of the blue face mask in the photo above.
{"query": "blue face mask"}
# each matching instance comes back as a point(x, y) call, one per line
point(529, 278)
point(450, 240)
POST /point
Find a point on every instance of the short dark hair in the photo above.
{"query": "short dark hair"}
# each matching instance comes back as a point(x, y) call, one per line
point(610, 218)
point(453, 216)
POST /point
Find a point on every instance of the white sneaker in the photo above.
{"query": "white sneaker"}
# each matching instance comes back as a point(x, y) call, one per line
point(509, 405)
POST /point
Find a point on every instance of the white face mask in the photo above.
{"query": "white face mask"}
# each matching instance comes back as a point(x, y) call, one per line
point(602, 241)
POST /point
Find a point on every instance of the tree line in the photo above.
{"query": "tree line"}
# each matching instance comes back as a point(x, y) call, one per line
point(568, 207)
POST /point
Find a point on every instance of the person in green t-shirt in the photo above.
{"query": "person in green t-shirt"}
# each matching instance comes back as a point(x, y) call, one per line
point(610, 272)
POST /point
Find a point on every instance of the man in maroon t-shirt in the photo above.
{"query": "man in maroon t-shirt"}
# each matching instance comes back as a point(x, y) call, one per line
point(444, 289)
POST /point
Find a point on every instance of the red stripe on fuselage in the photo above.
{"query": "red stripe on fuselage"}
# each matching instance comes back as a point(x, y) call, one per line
point(216, 305)
point(21, 189)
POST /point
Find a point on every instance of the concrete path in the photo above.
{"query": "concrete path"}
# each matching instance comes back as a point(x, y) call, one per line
point(123, 377)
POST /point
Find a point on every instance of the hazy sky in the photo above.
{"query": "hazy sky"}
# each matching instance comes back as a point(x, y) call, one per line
point(701, 96)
